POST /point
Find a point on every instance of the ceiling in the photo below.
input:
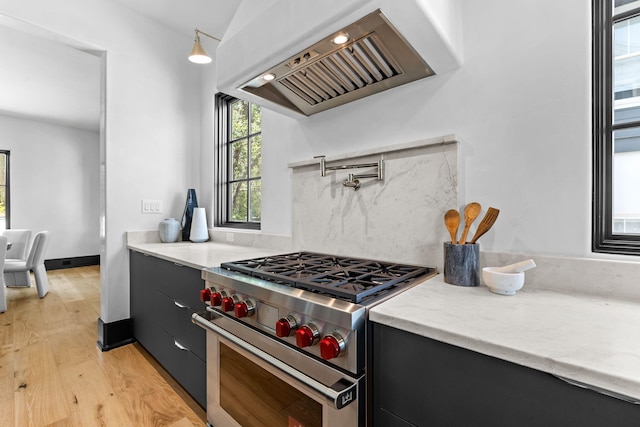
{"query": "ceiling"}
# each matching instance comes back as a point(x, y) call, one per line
point(211, 16)
point(48, 81)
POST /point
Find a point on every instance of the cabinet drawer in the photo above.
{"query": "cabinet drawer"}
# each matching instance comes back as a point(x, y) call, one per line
point(179, 282)
point(175, 319)
point(184, 366)
point(148, 333)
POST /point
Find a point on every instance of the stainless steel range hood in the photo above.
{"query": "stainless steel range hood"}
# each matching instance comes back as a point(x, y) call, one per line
point(391, 42)
point(374, 58)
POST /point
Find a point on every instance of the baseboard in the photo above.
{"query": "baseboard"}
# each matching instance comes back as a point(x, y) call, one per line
point(79, 261)
point(114, 334)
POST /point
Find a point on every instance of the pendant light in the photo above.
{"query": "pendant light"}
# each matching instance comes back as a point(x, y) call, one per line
point(198, 54)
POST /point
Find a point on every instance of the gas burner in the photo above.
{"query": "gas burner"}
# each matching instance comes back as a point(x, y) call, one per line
point(349, 279)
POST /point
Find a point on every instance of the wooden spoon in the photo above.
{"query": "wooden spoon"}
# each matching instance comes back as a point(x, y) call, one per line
point(471, 212)
point(452, 221)
point(486, 223)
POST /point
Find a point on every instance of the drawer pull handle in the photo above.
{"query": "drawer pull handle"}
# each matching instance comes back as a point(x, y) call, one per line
point(180, 346)
point(179, 304)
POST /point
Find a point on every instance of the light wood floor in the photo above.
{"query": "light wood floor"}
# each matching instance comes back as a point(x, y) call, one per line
point(53, 374)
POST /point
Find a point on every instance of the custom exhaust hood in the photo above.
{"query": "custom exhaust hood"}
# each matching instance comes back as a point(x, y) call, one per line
point(373, 55)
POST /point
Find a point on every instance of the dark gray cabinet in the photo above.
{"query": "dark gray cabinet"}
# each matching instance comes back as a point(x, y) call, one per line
point(422, 382)
point(164, 295)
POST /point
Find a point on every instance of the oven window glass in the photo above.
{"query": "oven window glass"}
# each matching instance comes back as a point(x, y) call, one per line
point(256, 398)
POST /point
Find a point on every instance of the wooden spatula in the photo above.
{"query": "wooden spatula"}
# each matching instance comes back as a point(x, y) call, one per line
point(486, 223)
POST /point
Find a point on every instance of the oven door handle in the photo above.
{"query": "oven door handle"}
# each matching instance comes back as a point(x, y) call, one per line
point(339, 395)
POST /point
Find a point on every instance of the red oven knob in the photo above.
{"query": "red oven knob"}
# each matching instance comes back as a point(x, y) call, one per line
point(228, 303)
point(286, 326)
point(216, 299)
point(244, 308)
point(205, 294)
point(307, 335)
point(331, 346)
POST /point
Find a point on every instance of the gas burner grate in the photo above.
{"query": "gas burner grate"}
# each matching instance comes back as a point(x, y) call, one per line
point(349, 279)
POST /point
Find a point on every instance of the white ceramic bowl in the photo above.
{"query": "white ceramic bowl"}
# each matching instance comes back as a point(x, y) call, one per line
point(502, 283)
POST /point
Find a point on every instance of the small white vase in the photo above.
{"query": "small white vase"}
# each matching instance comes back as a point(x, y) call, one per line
point(199, 230)
point(169, 229)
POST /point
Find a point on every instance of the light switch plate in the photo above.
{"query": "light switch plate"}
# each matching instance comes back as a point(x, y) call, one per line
point(151, 206)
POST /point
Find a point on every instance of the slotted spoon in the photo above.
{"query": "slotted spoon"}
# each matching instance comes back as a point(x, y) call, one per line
point(486, 223)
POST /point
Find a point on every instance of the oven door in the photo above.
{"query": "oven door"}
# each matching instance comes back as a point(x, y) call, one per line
point(255, 381)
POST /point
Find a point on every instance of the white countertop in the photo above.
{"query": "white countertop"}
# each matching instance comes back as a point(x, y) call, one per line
point(585, 338)
point(200, 255)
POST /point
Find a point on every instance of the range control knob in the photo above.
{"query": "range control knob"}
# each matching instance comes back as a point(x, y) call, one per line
point(286, 326)
point(216, 299)
point(244, 308)
point(331, 346)
point(307, 335)
point(228, 303)
point(205, 294)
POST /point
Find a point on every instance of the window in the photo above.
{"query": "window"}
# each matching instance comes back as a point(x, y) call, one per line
point(5, 222)
point(616, 126)
point(239, 161)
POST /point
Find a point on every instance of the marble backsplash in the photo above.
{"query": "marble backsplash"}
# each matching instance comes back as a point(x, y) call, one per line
point(398, 219)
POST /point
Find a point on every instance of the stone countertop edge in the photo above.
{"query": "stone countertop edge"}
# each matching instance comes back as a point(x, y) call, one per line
point(590, 339)
point(200, 255)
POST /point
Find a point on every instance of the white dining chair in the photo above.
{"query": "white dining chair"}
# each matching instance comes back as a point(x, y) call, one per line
point(19, 239)
point(34, 262)
point(3, 291)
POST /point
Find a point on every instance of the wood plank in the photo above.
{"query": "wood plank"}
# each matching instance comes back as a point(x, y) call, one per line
point(183, 422)
point(82, 313)
point(93, 400)
point(7, 355)
point(6, 328)
point(72, 345)
point(39, 393)
point(7, 413)
point(67, 290)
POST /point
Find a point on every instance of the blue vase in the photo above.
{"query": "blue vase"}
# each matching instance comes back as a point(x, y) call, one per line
point(187, 217)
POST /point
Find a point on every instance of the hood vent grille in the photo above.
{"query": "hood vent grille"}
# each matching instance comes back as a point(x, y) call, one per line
point(362, 63)
point(327, 75)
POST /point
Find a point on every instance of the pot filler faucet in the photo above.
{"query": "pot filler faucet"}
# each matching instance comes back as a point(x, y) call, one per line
point(353, 180)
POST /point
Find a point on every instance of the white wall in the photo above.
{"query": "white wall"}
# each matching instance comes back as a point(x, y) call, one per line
point(151, 134)
point(55, 184)
point(519, 105)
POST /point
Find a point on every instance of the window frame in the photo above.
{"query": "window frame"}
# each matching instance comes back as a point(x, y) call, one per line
point(222, 152)
point(604, 239)
point(7, 185)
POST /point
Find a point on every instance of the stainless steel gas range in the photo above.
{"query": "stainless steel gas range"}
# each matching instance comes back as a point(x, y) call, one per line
point(287, 340)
